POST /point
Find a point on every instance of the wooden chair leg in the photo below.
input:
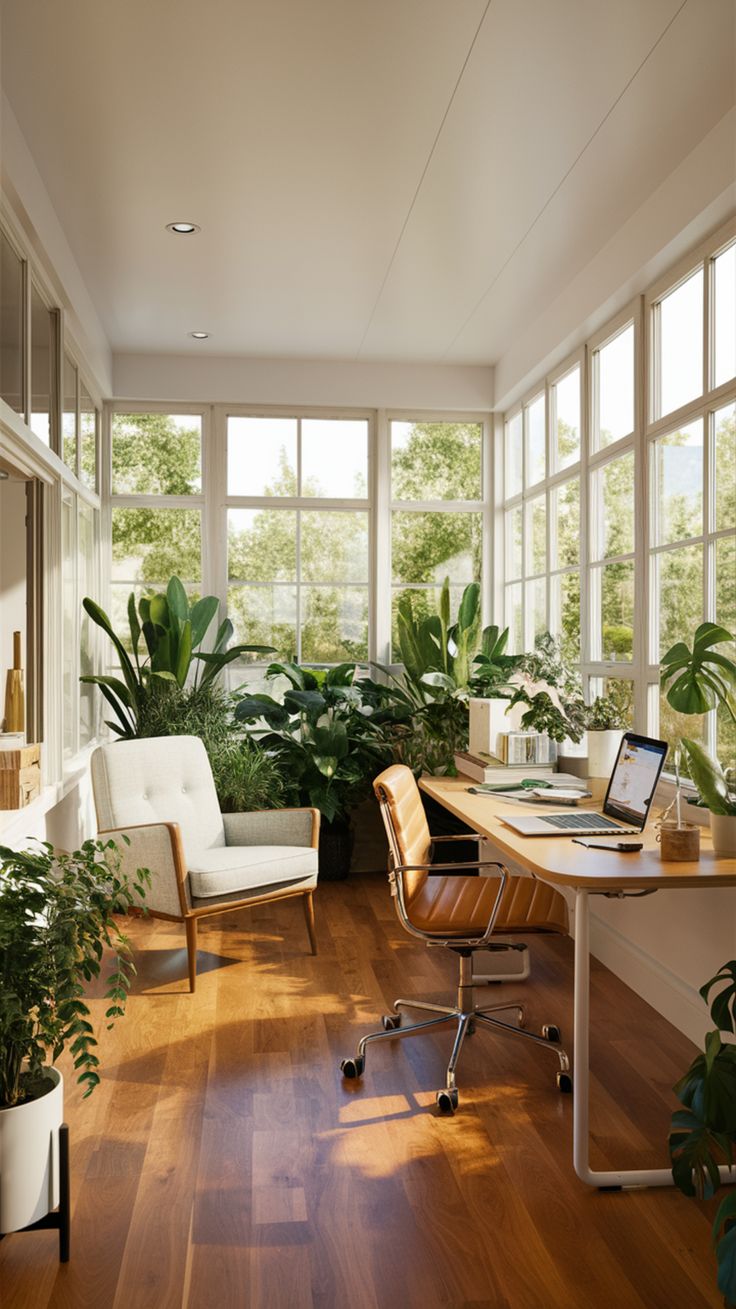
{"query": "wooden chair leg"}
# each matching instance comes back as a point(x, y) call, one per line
point(191, 927)
point(309, 915)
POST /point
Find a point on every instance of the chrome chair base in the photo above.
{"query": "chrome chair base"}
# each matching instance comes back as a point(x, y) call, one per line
point(468, 1017)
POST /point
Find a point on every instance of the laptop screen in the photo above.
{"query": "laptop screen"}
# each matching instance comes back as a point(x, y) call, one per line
point(634, 779)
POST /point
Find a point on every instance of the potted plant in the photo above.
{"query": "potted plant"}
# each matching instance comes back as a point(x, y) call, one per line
point(541, 680)
point(703, 1132)
point(605, 720)
point(718, 795)
point(698, 680)
point(56, 917)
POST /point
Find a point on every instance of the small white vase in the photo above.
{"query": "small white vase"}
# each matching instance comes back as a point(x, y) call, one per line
point(723, 831)
point(602, 752)
point(29, 1157)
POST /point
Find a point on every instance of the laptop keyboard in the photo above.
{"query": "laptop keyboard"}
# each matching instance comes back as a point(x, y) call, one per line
point(582, 822)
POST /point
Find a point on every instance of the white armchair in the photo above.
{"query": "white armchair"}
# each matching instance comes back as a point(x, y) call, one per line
point(160, 793)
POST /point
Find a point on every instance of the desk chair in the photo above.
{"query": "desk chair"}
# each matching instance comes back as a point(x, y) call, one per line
point(442, 906)
point(160, 793)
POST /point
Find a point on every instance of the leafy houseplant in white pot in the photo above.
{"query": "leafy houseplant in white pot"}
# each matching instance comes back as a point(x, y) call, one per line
point(56, 917)
point(606, 719)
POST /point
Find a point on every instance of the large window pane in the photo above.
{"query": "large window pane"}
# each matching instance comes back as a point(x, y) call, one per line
point(88, 696)
point(152, 545)
point(566, 613)
point(724, 316)
point(334, 546)
point(156, 454)
point(436, 461)
point(612, 508)
point(515, 618)
point(677, 476)
point(613, 369)
point(69, 414)
point(536, 609)
point(679, 345)
point(261, 456)
point(11, 326)
point(427, 547)
point(567, 418)
point(43, 324)
point(566, 523)
point(261, 545)
point(536, 530)
point(514, 519)
point(264, 615)
point(88, 428)
point(614, 637)
point(536, 458)
point(335, 458)
point(334, 623)
point(513, 455)
point(679, 595)
point(724, 421)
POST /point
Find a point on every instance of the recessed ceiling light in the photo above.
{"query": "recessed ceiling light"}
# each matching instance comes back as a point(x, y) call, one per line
point(183, 229)
point(199, 336)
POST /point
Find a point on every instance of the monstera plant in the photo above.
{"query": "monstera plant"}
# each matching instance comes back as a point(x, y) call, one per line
point(165, 645)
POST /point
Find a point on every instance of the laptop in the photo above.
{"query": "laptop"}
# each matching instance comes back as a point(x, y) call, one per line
point(625, 811)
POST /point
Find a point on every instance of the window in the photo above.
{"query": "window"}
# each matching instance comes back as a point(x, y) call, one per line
point(677, 333)
point(69, 419)
point(89, 432)
point(612, 385)
point(436, 512)
point(298, 535)
point(43, 353)
point(11, 326)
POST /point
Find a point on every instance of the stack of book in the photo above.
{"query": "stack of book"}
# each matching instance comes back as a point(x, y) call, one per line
point(486, 768)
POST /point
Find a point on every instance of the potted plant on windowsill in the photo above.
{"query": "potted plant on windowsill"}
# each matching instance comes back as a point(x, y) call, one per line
point(56, 917)
point(697, 681)
point(605, 720)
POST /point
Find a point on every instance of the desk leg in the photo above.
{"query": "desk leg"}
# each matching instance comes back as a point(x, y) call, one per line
point(581, 1076)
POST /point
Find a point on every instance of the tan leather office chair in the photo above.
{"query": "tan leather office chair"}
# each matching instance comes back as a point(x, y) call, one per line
point(444, 906)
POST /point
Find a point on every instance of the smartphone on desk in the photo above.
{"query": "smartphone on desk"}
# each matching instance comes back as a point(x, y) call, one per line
point(627, 847)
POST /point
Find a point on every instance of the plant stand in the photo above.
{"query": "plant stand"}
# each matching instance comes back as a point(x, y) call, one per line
point(59, 1218)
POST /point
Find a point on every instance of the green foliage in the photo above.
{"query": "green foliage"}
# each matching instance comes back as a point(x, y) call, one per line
point(173, 632)
point(322, 735)
point(245, 776)
point(700, 679)
point(56, 917)
point(611, 711)
point(528, 679)
point(710, 779)
point(703, 1133)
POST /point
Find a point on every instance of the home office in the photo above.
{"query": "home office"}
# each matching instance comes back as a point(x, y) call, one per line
point(311, 354)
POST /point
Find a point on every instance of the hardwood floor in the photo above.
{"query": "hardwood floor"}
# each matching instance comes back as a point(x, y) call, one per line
point(224, 1162)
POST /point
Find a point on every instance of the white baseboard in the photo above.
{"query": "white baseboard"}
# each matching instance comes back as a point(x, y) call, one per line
point(678, 1002)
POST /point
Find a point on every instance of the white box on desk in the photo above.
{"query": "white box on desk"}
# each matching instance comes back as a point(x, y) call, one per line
point(488, 720)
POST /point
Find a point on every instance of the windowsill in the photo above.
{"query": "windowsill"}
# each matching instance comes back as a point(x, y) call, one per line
point(15, 822)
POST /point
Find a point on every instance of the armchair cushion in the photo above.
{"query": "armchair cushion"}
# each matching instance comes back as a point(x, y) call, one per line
point(245, 868)
point(158, 779)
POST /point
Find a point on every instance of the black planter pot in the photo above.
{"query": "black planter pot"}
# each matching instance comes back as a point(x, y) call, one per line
point(335, 849)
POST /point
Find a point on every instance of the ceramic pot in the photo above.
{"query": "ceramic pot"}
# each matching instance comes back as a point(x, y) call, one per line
point(29, 1157)
point(602, 752)
point(723, 831)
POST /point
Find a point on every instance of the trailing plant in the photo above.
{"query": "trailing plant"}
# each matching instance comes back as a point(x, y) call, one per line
point(703, 1132)
point(166, 635)
point(697, 680)
point(322, 736)
point(56, 917)
point(612, 711)
point(246, 777)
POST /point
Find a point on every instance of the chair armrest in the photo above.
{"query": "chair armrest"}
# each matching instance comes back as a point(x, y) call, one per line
point(273, 827)
point(158, 847)
point(396, 877)
point(461, 836)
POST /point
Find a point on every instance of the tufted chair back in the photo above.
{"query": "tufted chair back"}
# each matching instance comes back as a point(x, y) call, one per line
point(159, 779)
point(405, 821)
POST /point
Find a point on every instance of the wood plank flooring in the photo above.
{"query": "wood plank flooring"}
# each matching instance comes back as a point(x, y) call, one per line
point(224, 1162)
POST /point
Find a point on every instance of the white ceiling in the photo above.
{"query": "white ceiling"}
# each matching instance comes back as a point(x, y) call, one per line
point(393, 180)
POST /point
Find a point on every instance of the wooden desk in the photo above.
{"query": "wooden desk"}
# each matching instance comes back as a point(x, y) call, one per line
point(587, 872)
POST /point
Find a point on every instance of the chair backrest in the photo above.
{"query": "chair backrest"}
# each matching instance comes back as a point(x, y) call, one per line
point(159, 779)
point(405, 822)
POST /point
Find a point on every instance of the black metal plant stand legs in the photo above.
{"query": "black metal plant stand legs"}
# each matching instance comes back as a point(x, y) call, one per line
point(58, 1218)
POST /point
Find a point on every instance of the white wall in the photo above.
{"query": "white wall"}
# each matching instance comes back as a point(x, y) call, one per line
point(236, 380)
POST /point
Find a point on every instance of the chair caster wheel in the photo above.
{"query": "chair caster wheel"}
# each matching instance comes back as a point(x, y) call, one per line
point(390, 1022)
point(352, 1068)
point(564, 1083)
point(551, 1032)
point(447, 1101)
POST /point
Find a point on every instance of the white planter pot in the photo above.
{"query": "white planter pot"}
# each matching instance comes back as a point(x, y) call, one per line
point(602, 752)
point(29, 1158)
point(723, 831)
